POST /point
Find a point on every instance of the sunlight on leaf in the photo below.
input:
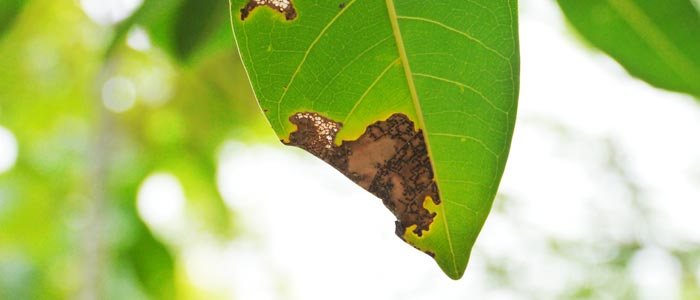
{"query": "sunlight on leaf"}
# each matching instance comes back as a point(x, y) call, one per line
point(413, 101)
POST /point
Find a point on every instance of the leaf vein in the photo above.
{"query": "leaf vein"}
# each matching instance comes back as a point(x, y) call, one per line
point(649, 32)
point(351, 62)
point(464, 85)
point(468, 36)
point(466, 137)
point(473, 211)
point(470, 115)
point(369, 88)
point(393, 16)
point(306, 55)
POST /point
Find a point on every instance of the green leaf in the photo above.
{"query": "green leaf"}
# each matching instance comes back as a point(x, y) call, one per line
point(153, 264)
point(657, 41)
point(9, 10)
point(185, 29)
point(417, 98)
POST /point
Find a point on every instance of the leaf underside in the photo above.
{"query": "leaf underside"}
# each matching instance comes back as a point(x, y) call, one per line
point(413, 100)
point(656, 41)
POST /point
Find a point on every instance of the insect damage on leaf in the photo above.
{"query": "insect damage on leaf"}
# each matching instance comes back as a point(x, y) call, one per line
point(390, 160)
point(283, 6)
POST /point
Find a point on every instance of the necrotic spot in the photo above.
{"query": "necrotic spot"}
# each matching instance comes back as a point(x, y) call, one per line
point(283, 6)
point(390, 160)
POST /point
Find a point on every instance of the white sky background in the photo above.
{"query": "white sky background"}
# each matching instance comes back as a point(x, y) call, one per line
point(313, 234)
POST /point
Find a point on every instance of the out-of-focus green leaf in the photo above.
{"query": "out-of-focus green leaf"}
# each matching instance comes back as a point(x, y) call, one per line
point(425, 92)
point(9, 9)
point(152, 262)
point(655, 40)
point(183, 136)
point(186, 29)
point(197, 21)
point(48, 68)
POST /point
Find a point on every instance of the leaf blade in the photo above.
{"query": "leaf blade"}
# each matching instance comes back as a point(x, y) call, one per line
point(187, 30)
point(658, 43)
point(367, 60)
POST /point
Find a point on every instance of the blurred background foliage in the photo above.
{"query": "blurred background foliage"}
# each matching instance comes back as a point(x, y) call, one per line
point(94, 113)
point(99, 96)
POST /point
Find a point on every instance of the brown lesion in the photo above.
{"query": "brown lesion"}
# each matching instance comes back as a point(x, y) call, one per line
point(285, 7)
point(390, 160)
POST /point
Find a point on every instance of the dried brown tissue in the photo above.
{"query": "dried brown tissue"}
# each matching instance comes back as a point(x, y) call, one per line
point(285, 7)
point(390, 160)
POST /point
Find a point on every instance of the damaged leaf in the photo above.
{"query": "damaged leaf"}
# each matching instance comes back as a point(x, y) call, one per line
point(411, 100)
point(283, 6)
point(390, 160)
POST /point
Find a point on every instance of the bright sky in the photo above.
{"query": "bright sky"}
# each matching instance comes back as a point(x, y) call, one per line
point(108, 12)
point(8, 149)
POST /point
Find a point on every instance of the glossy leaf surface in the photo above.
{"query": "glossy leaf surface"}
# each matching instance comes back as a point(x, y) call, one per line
point(365, 75)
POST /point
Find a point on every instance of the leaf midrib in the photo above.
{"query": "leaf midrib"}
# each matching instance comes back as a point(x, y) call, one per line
point(393, 17)
point(649, 32)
